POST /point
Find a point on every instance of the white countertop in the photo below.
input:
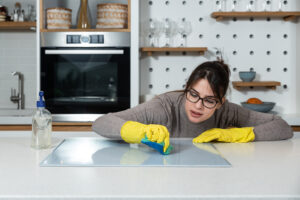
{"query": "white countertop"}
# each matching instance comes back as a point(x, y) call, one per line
point(259, 170)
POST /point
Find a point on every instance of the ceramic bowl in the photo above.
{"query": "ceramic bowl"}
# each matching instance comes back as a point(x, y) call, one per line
point(247, 76)
point(264, 107)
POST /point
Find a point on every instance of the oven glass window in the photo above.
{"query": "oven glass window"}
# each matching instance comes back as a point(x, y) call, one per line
point(89, 80)
point(86, 83)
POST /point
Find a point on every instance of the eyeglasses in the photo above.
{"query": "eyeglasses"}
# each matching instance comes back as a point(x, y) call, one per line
point(208, 102)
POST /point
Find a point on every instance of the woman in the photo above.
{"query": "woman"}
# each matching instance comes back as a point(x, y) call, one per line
point(200, 111)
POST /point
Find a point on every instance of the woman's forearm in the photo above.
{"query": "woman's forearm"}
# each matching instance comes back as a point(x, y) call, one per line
point(277, 129)
point(108, 126)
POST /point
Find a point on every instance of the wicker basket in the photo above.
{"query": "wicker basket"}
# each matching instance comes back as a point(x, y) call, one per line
point(59, 18)
point(112, 15)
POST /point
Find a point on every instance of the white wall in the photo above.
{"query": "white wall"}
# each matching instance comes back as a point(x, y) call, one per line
point(18, 52)
point(134, 52)
point(297, 70)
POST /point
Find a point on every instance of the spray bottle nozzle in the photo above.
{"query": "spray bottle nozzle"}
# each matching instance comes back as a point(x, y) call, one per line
point(41, 102)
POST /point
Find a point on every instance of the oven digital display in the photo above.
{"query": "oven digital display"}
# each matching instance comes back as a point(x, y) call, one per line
point(78, 39)
point(73, 39)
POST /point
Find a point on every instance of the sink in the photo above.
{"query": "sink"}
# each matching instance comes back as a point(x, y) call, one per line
point(15, 112)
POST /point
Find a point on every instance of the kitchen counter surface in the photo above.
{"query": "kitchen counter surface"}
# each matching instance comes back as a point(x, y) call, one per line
point(259, 170)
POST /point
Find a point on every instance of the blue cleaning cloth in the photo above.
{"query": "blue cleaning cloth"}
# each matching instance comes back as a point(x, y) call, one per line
point(157, 146)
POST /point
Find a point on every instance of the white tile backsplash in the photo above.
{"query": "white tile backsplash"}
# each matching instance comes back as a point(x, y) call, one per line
point(18, 53)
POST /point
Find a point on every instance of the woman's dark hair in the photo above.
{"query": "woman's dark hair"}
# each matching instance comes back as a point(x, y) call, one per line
point(217, 74)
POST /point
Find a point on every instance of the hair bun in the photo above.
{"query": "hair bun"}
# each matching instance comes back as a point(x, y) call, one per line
point(221, 62)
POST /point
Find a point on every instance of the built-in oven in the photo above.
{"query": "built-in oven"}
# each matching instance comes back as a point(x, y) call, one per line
point(84, 74)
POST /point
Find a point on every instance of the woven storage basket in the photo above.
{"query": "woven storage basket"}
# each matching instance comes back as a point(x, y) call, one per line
point(112, 15)
point(59, 18)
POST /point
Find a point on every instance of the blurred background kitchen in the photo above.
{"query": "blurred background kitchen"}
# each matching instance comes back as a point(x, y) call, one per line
point(168, 39)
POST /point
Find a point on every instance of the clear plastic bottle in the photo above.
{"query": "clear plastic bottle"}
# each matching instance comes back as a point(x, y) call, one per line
point(41, 126)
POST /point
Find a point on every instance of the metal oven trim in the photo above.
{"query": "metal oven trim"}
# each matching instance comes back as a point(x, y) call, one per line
point(111, 39)
point(75, 117)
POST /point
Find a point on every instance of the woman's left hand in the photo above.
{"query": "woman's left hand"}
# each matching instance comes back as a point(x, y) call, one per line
point(238, 135)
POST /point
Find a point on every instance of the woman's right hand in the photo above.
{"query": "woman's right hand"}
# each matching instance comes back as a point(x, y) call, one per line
point(134, 132)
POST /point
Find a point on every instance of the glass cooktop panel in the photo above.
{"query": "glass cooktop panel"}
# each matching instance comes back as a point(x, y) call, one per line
point(96, 152)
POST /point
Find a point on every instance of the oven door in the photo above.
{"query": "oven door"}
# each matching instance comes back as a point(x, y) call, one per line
point(85, 80)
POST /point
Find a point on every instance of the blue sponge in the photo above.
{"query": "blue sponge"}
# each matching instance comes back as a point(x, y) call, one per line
point(157, 146)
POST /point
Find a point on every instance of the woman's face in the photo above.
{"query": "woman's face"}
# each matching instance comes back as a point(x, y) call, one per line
point(196, 112)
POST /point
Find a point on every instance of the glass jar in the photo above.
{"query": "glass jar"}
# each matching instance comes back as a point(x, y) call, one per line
point(83, 16)
point(267, 5)
point(252, 5)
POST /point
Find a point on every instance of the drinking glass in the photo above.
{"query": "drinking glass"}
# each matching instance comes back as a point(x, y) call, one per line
point(252, 5)
point(282, 5)
point(150, 31)
point(157, 32)
point(169, 28)
point(184, 29)
point(144, 31)
point(267, 5)
point(220, 5)
point(234, 4)
point(29, 11)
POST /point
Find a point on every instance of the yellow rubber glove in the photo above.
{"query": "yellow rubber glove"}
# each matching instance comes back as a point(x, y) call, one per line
point(238, 135)
point(134, 132)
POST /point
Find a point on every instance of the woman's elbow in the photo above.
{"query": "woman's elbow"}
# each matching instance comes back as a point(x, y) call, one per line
point(96, 127)
point(288, 133)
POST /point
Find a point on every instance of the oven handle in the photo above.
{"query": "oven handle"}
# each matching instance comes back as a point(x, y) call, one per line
point(80, 51)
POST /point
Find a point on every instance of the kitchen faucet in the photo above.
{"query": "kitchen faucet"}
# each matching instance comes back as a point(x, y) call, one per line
point(20, 97)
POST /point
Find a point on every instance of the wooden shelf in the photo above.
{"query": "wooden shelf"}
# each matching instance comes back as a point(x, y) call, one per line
point(86, 30)
point(150, 50)
point(286, 16)
point(17, 26)
point(268, 84)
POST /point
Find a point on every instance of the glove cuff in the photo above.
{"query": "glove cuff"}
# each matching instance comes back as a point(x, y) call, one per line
point(251, 136)
point(132, 132)
point(242, 135)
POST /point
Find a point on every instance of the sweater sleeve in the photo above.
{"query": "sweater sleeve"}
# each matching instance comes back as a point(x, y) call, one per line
point(154, 111)
point(267, 127)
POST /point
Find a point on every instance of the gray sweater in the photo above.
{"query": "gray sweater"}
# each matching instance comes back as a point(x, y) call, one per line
point(168, 109)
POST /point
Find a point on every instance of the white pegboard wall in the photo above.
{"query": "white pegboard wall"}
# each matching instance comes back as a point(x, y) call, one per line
point(266, 45)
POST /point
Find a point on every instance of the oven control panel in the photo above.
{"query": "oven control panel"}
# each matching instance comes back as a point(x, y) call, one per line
point(85, 39)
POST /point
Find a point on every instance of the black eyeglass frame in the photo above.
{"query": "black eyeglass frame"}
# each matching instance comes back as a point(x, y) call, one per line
point(217, 101)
